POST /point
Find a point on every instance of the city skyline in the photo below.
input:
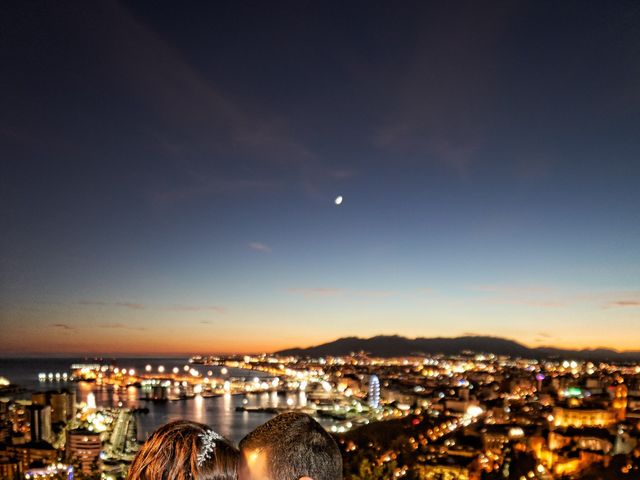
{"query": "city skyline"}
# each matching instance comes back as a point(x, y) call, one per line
point(169, 176)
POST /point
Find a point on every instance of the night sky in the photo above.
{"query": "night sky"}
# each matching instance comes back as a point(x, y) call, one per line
point(169, 171)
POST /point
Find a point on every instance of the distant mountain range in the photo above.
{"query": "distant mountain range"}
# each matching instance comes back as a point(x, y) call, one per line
point(396, 346)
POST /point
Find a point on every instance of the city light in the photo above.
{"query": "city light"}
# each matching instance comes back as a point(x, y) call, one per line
point(347, 395)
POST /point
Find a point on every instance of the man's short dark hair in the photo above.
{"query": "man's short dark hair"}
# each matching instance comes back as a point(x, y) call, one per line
point(296, 446)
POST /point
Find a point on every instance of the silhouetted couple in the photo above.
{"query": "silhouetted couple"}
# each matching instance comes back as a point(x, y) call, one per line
point(291, 446)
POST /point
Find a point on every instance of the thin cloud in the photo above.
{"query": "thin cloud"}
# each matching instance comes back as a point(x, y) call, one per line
point(625, 303)
point(202, 119)
point(132, 306)
point(119, 326)
point(435, 117)
point(63, 326)
point(194, 117)
point(260, 247)
point(543, 337)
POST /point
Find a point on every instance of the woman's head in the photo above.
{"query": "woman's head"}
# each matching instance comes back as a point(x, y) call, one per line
point(184, 450)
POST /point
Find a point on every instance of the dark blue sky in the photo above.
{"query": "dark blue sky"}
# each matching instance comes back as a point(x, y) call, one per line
point(175, 166)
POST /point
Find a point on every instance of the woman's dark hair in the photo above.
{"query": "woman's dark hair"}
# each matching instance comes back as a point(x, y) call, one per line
point(296, 446)
point(171, 453)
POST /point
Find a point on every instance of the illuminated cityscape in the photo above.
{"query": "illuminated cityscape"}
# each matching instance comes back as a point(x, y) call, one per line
point(417, 222)
point(468, 416)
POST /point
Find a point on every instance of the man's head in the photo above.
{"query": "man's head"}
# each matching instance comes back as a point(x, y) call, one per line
point(291, 446)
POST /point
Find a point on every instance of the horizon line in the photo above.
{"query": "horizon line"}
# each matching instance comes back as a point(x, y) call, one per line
point(165, 354)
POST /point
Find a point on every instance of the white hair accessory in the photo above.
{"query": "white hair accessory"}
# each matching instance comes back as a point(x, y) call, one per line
point(209, 438)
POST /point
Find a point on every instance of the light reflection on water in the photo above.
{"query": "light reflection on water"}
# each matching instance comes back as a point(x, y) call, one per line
point(218, 412)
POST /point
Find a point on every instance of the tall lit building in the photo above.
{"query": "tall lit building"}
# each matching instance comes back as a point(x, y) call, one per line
point(40, 423)
point(62, 403)
point(374, 391)
point(84, 446)
point(71, 404)
point(58, 402)
point(619, 403)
